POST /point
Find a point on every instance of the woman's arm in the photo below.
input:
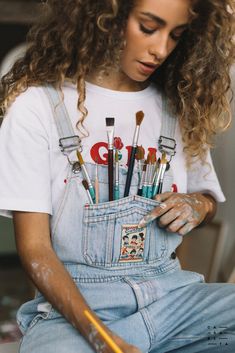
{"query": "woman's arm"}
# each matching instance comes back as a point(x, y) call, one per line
point(51, 278)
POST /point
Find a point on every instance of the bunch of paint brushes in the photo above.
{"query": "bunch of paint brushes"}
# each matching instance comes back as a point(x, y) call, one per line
point(150, 171)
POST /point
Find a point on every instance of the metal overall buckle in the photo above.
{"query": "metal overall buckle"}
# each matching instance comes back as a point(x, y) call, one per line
point(167, 145)
point(67, 146)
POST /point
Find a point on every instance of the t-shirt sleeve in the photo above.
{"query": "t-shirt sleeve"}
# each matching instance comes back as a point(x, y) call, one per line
point(202, 178)
point(24, 159)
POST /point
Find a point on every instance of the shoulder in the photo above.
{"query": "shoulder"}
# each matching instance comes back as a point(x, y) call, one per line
point(32, 99)
point(31, 109)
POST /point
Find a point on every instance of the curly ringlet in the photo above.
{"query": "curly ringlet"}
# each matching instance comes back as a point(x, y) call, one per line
point(70, 40)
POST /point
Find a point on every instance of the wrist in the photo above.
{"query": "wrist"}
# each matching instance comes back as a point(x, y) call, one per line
point(210, 207)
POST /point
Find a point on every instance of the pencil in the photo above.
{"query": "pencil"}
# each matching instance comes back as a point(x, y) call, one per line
point(110, 342)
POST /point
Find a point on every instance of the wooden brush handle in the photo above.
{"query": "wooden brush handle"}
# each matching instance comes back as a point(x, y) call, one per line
point(110, 174)
point(130, 171)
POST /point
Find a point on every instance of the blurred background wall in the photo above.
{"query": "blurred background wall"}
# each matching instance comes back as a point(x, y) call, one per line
point(224, 159)
point(16, 18)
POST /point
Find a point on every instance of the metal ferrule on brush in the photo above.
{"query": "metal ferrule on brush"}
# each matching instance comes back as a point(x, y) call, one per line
point(116, 174)
point(136, 136)
point(110, 134)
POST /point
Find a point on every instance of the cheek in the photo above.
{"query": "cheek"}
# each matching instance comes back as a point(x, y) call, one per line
point(171, 46)
point(128, 55)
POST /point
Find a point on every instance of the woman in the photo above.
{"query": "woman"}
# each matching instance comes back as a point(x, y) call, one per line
point(89, 60)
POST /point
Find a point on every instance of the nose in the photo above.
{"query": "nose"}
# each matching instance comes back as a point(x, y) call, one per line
point(159, 47)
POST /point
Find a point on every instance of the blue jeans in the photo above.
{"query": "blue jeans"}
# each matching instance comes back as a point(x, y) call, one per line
point(130, 279)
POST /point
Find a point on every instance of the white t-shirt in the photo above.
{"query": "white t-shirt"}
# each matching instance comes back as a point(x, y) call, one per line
point(33, 170)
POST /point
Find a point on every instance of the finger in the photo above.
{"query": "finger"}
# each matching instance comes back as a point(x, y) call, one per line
point(163, 197)
point(154, 214)
point(176, 225)
point(170, 216)
point(186, 228)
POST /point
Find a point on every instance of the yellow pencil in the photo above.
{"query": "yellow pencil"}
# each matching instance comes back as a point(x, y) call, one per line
point(110, 342)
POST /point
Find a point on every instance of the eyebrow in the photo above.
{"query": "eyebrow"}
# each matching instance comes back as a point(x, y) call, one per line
point(160, 21)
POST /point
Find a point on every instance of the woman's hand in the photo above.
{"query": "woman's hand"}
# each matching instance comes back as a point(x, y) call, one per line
point(180, 213)
point(124, 346)
point(100, 346)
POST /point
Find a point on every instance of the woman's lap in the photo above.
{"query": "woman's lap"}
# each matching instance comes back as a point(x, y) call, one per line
point(196, 318)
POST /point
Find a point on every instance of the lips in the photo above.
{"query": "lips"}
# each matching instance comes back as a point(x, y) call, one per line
point(147, 67)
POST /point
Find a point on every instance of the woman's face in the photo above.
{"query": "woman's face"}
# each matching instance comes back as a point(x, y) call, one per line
point(153, 30)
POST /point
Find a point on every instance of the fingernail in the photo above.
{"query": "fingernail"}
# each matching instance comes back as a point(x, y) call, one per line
point(162, 205)
point(146, 220)
point(142, 223)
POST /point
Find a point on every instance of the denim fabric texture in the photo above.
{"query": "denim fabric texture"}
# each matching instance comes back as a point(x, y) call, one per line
point(151, 303)
point(144, 297)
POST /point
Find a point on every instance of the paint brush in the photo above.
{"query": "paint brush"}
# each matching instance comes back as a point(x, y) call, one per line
point(151, 175)
point(147, 177)
point(159, 178)
point(139, 119)
point(116, 184)
point(142, 179)
point(140, 160)
point(107, 338)
point(166, 167)
point(86, 176)
point(110, 134)
point(86, 187)
point(96, 183)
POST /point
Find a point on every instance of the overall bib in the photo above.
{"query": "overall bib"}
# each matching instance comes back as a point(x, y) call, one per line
point(142, 294)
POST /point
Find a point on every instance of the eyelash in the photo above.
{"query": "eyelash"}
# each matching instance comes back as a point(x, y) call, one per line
point(175, 37)
point(146, 30)
point(151, 31)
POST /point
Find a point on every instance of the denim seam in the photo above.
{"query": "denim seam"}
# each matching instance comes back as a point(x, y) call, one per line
point(60, 210)
point(149, 326)
point(112, 216)
point(160, 270)
point(121, 202)
point(136, 290)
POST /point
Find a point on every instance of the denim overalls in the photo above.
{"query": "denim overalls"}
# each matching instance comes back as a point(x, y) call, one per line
point(147, 299)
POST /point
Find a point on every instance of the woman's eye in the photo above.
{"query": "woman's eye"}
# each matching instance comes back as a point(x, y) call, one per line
point(146, 30)
point(176, 36)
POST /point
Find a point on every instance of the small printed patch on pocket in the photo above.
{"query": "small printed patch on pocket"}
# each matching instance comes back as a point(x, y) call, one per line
point(132, 243)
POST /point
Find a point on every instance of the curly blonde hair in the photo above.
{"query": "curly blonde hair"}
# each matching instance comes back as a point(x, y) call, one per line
point(70, 40)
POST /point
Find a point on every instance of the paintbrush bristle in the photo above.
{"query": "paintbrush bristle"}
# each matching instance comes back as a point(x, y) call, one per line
point(109, 121)
point(153, 158)
point(139, 117)
point(149, 158)
point(85, 184)
point(140, 153)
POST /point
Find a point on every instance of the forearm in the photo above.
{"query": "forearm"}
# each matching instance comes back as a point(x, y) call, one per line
point(49, 274)
point(55, 283)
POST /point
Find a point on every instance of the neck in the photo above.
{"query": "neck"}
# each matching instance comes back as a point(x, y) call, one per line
point(116, 81)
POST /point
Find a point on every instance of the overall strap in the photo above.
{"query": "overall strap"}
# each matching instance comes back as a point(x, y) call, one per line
point(68, 141)
point(166, 142)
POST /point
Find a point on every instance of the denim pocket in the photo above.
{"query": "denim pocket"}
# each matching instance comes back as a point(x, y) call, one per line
point(103, 228)
point(33, 311)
